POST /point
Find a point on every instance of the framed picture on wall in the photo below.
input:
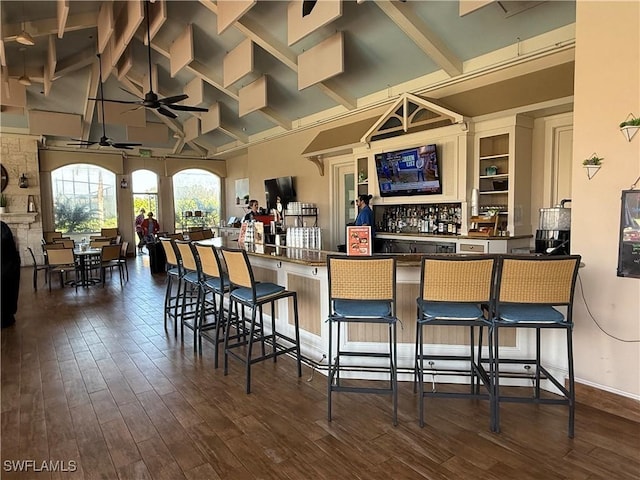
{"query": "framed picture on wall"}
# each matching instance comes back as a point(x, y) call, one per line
point(242, 191)
point(629, 244)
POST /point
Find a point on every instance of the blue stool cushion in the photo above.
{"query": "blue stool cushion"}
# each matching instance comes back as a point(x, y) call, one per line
point(530, 313)
point(191, 277)
point(173, 271)
point(450, 311)
point(362, 308)
point(214, 283)
point(265, 289)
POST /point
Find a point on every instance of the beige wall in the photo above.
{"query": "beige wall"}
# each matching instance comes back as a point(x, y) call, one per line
point(607, 88)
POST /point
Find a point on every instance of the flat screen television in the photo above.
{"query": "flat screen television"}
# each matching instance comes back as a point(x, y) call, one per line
point(282, 187)
point(413, 171)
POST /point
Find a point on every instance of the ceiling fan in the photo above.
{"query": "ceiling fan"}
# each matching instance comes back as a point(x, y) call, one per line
point(151, 99)
point(104, 140)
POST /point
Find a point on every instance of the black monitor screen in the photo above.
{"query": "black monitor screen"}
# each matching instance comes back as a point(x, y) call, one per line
point(279, 187)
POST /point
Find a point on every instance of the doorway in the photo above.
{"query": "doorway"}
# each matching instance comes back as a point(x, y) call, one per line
point(342, 184)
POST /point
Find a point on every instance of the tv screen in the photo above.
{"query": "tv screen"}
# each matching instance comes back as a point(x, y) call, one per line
point(413, 171)
point(279, 187)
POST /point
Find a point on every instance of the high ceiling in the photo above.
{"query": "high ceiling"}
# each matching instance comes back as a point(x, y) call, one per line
point(387, 48)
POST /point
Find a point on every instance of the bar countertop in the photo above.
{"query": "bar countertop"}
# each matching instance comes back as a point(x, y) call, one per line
point(301, 256)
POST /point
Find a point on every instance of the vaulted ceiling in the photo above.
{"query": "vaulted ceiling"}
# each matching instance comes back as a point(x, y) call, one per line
point(263, 69)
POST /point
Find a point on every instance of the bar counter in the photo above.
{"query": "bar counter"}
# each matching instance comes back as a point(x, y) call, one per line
point(305, 272)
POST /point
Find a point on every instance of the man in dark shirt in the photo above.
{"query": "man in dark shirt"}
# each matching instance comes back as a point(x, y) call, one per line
point(10, 281)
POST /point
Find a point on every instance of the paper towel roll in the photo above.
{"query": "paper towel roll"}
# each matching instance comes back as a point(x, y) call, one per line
point(475, 200)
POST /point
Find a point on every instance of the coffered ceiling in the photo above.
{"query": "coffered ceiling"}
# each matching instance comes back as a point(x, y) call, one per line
point(263, 69)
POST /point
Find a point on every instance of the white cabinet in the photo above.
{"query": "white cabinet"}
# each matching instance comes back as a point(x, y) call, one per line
point(503, 171)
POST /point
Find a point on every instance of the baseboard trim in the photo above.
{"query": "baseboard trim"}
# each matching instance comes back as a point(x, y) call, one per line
point(609, 402)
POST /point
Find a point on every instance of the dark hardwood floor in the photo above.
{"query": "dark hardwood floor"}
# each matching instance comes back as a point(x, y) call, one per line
point(92, 378)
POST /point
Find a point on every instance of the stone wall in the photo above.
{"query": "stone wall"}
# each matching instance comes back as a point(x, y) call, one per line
point(19, 154)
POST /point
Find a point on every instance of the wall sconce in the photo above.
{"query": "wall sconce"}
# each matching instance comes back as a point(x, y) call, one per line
point(124, 183)
point(23, 182)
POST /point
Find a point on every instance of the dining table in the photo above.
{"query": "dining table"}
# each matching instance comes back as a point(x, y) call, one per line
point(86, 256)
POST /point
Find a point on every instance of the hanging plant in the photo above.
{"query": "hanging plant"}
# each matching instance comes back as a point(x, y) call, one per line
point(594, 159)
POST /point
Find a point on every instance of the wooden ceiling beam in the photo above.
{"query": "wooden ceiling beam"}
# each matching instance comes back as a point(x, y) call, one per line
point(402, 15)
point(281, 52)
point(90, 105)
point(49, 26)
point(74, 62)
point(62, 13)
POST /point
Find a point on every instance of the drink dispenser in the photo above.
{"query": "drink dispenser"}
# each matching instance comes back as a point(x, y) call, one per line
point(554, 230)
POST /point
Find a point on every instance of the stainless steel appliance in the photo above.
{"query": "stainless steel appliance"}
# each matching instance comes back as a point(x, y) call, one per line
point(553, 236)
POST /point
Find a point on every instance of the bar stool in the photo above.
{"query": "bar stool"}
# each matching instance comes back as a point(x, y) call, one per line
point(529, 290)
point(213, 281)
point(246, 292)
point(174, 274)
point(189, 296)
point(452, 293)
point(362, 290)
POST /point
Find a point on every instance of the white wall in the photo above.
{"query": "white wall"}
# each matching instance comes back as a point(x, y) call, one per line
point(607, 89)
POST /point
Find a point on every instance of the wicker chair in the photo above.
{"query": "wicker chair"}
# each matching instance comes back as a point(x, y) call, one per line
point(246, 292)
point(66, 242)
point(453, 290)
point(528, 290)
point(352, 302)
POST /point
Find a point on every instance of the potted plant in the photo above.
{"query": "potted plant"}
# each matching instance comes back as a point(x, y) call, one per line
point(630, 127)
point(592, 165)
point(3, 203)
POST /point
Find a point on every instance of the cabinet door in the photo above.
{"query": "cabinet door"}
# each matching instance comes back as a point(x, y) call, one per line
point(362, 175)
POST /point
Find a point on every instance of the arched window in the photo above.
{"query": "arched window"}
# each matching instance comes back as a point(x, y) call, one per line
point(84, 199)
point(196, 191)
point(144, 187)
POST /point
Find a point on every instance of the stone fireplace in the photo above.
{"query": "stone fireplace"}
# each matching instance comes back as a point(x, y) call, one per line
point(20, 156)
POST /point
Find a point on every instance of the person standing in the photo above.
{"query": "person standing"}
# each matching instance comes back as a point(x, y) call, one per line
point(149, 228)
point(365, 214)
point(139, 230)
point(253, 211)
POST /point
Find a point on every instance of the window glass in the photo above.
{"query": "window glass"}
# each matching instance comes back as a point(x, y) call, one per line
point(144, 188)
point(196, 191)
point(84, 200)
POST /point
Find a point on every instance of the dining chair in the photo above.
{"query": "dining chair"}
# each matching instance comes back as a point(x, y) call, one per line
point(110, 259)
point(37, 268)
point(455, 291)
point(61, 261)
point(123, 258)
point(66, 242)
point(535, 292)
point(362, 290)
point(249, 293)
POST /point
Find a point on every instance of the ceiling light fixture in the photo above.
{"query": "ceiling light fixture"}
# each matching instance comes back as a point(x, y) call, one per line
point(24, 37)
point(24, 79)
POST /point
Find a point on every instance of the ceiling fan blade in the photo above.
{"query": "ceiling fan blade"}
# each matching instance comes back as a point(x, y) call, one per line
point(132, 102)
point(166, 113)
point(83, 141)
point(187, 108)
point(125, 144)
point(173, 99)
point(122, 146)
point(82, 144)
